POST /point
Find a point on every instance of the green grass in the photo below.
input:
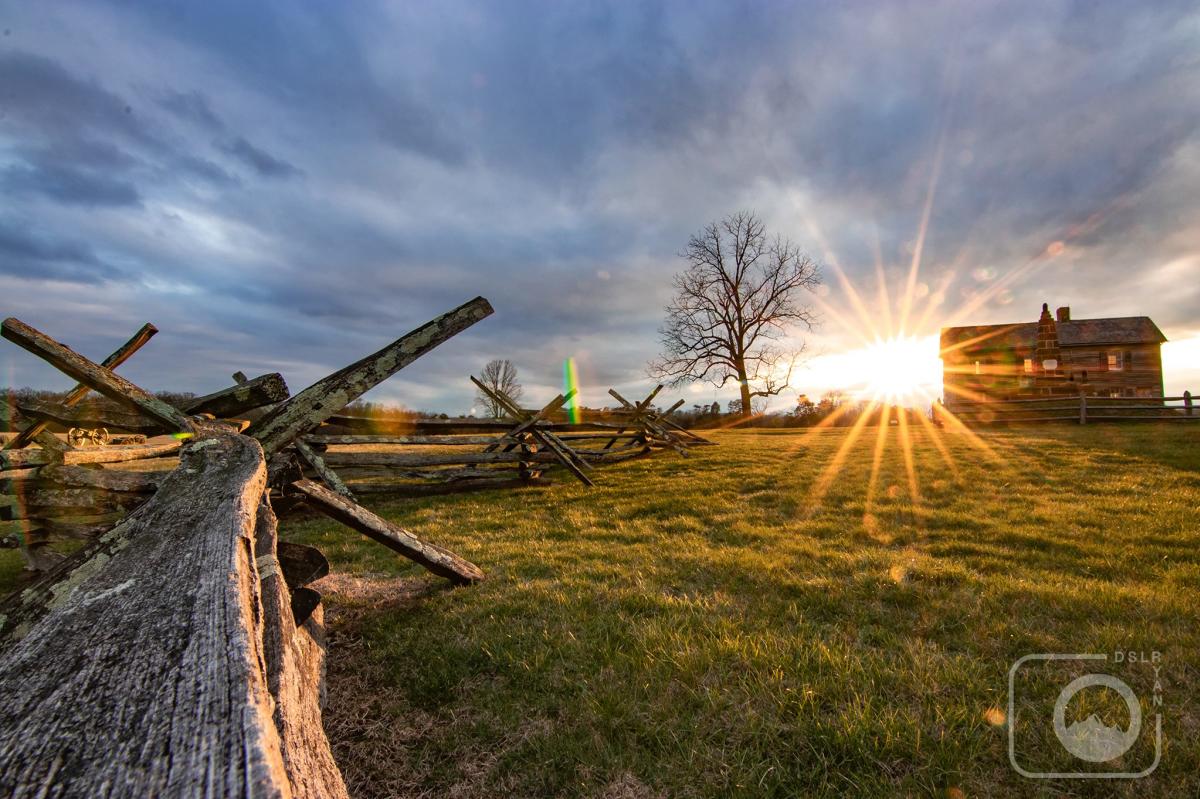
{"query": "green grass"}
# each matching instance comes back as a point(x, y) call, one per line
point(12, 570)
point(753, 622)
point(708, 627)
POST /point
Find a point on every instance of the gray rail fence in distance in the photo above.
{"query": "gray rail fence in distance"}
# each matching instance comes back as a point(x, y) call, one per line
point(1080, 409)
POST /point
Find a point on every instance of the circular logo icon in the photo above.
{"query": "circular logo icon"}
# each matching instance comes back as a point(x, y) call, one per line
point(1091, 739)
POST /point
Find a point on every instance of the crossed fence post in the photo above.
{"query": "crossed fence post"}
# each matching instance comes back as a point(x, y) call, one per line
point(658, 425)
point(528, 427)
point(35, 431)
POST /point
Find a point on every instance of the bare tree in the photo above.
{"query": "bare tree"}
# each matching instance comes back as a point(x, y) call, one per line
point(499, 375)
point(737, 296)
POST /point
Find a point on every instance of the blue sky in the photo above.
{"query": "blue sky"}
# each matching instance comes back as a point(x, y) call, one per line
point(288, 186)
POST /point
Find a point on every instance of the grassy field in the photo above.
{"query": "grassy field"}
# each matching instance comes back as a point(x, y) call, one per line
point(786, 614)
point(758, 620)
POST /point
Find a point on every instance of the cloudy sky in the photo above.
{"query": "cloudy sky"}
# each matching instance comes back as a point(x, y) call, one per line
point(289, 186)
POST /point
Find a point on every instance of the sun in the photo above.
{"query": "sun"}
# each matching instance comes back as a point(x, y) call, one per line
point(894, 370)
point(900, 370)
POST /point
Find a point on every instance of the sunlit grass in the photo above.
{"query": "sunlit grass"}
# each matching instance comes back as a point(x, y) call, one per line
point(699, 628)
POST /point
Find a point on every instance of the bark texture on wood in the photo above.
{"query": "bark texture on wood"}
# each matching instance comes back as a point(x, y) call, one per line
point(81, 527)
point(317, 464)
point(80, 391)
point(294, 658)
point(51, 444)
point(231, 401)
point(24, 458)
point(312, 406)
point(41, 496)
point(17, 479)
point(104, 479)
point(146, 668)
point(127, 438)
point(441, 562)
point(90, 374)
point(251, 394)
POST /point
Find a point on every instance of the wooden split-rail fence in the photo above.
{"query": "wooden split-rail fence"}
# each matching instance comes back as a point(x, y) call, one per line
point(180, 649)
point(1079, 408)
point(428, 457)
point(54, 491)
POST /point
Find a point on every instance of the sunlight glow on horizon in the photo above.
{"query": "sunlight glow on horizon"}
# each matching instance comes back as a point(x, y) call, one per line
point(1181, 365)
point(900, 370)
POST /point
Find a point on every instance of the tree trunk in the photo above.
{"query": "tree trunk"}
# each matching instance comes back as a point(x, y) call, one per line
point(744, 384)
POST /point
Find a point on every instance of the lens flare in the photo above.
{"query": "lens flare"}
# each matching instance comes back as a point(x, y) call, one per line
point(571, 383)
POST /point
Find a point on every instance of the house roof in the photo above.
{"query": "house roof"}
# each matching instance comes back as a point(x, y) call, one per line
point(1023, 335)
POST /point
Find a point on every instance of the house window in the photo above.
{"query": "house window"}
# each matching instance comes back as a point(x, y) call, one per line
point(1116, 363)
point(1028, 365)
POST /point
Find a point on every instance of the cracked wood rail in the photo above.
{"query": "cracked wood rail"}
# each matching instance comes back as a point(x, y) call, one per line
point(441, 562)
point(307, 410)
point(163, 659)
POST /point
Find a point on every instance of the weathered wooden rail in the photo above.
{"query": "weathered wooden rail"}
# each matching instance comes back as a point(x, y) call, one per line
point(76, 395)
point(394, 456)
point(164, 658)
point(1081, 409)
point(36, 508)
point(179, 651)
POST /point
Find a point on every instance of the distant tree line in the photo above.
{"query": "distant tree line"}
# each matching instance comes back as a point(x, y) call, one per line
point(832, 409)
point(10, 397)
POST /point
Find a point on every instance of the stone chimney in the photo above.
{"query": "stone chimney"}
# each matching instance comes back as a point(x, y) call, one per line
point(1046, 356)
point(1064, 313)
